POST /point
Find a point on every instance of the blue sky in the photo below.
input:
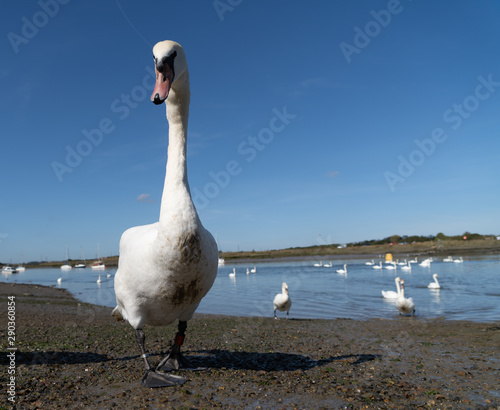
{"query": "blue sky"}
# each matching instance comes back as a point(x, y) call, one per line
point(325, 122)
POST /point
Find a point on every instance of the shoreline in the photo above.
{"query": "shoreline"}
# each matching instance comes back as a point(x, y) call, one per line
point(75, 354)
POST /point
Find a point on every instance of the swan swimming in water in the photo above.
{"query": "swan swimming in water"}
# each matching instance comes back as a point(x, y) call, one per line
point(435, 284)
point(460, 260)
point(254, 270)
point(378, 266)
point(233, 273)
point(390, 294)
point(166, 268)
point(319, 264)
point(282, 301)
point(59, 280)
point(370, 263)
point(342, 270)
point(407, 266)
point(99, 279)
point(406, 306)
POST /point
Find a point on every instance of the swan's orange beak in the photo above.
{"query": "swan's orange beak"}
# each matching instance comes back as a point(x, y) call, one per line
point(163, 83)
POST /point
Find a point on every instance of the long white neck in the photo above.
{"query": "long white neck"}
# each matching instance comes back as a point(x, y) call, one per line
point(176, 203)
point(397, 286)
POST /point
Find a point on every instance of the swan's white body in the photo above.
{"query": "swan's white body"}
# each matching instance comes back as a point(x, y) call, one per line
point(248, 271)
point(328, 265)
point(406, 306)
point(59, 280)
point(426, 263)
point(254, 270)
point(407, 266)
point(370, 263)
point(460, 260)
point(99, 279)
point(233, 273)
point(166, 268)
point(392, 266)
point(282, 301)
point(390, 294)
point(448, 259)
point(319, 264)
point(342, 270)
point(435, 284)
point(378, 266)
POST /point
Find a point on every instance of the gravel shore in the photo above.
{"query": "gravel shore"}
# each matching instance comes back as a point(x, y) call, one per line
point(75, 355)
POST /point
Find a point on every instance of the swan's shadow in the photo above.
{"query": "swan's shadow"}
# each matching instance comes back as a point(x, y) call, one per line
point(218, 359)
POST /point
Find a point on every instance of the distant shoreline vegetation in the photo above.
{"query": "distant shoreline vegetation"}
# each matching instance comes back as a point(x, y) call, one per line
point(439, 244)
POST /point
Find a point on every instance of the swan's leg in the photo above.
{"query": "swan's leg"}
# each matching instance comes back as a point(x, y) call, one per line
point(276, 317)
point(175, 359)
point(150, 377)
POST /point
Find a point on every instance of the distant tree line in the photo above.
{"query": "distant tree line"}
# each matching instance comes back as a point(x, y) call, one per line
point(397, 239)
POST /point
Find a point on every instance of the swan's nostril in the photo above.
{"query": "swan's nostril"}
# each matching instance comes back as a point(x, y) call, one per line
point(157, 100)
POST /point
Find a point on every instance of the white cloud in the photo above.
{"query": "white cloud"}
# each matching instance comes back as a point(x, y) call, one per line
point(145, 198)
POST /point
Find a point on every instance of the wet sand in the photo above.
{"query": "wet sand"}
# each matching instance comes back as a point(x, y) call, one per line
point(75, 355)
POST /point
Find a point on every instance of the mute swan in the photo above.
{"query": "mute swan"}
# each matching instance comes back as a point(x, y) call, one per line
point(177, 256)
point(405, 305)
point(370, 263)
point(391, 266)
point(426, 263)
point(233, 273)
point(448, 259)
point(342, 270)
point(108, 275)
point(282, 301)
point(435, 284)
point(378, 266)
point(254, 270)
point(319, 264)
point(248, 271)
point(407, 266)
point(460, 260)
point(328, 265)
point(59, 280)
point(99, 279)
point(390, 294)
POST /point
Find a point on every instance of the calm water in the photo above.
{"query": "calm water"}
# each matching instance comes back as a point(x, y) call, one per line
point(469, 290)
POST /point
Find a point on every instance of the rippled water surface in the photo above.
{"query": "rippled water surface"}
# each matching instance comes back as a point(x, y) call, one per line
point(469, 290)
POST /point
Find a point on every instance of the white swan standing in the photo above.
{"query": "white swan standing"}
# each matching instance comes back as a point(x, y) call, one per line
point(342, 270)
point(166, 268)
point(435, 284)
point(390, 294)
point(282, 301)
point(378, 266)
point(406, 306)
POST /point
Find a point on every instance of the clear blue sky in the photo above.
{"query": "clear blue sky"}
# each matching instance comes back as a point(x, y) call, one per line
point(324, 113)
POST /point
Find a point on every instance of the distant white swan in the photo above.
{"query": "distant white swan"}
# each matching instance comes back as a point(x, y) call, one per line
point(370, 263)
point(390, 294)
point(426, 263)
point(402, 263)
point(254, 270)
point(282, 301)
point(414, 260)
point(406, 306)
point(448, 259)
point(460, 260)
point(99, 279)
point(233, 273)
point(342, 270)
point(319, 264)
point(328, 265)
point(59, 280)
point(435, 284)
point(248, 271)
point(407, 266)
point(391, 267)
point(378, 266)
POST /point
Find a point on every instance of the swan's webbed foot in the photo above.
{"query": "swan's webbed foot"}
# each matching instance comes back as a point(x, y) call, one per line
point(154, 379)
point(175, 360)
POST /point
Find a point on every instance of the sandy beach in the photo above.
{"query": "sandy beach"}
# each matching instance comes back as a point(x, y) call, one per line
point(75, 355)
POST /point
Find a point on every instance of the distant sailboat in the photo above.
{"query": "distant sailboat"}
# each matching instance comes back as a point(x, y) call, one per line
point(66, 266)
point(81, 265)
point(99, 264)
